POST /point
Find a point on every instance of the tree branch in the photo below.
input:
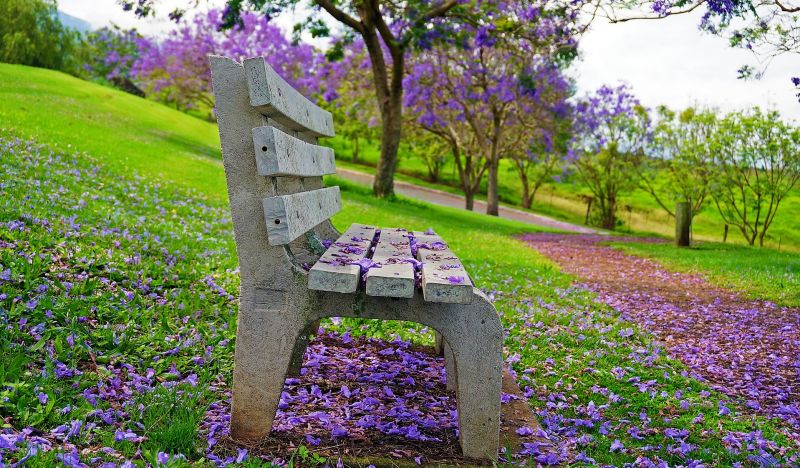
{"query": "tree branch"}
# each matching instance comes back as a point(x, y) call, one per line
point(672, 13)
point(440, 10)
point(340, 15)
point(785, 8)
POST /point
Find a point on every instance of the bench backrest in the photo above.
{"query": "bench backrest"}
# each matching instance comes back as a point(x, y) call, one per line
point(269, 133)
point(279, 154)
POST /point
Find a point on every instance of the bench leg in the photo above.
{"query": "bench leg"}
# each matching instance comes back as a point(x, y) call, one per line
point(300, 348)
point(265, 341)
point(477, 347)
point(438, 345)
point(450, 368)
point(441, 348)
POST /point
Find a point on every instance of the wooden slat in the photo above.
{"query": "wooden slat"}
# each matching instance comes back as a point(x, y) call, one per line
point(335, 271)
point(290, 216)
point(395, 277)
point(280, 154)
point(444, 278)
point(276, 98)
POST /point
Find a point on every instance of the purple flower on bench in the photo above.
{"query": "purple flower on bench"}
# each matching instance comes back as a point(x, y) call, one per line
point(455, 279)
point(435, 245)
point(366, 264)
point(352, 250)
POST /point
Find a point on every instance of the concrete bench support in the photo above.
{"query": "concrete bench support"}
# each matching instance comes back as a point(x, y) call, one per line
point(280, 212)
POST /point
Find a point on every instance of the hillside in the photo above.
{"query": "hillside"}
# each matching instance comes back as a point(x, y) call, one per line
point(120, 130)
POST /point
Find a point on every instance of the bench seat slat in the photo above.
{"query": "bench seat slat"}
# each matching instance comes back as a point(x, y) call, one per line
point(277, 99)
point(395, 277)
point(444, 278)
point(290, 216)
point(280, 154)
point(334, 271)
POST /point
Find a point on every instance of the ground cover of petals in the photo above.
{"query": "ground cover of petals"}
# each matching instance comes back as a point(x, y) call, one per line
point(746, 349)
point(117, 325)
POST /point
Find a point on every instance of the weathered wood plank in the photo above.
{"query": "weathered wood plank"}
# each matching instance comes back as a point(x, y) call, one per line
point(395, 277)
point(277, 99)
point(290, 216)
point(444, 278)
point(337, 270)
point(280, 154)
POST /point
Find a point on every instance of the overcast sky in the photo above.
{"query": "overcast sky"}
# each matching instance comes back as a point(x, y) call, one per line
point(666, 62)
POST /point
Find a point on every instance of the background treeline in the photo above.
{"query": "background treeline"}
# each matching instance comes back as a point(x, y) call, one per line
point(495, 117)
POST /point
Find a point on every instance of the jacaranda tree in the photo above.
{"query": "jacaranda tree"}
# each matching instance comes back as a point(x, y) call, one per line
point(611, 133)
point(175, 69)
point(475, 91)
point(114, 50)
point(390, 30)
point(345, 87)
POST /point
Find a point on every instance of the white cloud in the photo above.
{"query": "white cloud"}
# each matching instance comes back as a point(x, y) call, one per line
point(671, 62)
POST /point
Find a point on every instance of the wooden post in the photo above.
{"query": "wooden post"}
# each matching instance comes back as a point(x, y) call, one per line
point(588, 199)
point(683, 224)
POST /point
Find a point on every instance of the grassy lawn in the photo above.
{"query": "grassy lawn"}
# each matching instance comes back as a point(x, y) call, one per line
point(118, 129)
point(760, 273)
point(117, 299)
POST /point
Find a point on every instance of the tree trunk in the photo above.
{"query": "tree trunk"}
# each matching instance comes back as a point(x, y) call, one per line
point(390, 143)
point(526, 189)
point(469, 199)
point(608, 215)
point(355, 149)
point(683, 224)
point(526, 198)
point(492, 197)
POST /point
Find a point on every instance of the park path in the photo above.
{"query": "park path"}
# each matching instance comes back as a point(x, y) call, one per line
point(747, 349)
point(440, 197)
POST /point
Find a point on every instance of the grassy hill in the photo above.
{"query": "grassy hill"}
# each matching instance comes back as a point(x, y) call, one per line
point(117, 303)
point(120, 130)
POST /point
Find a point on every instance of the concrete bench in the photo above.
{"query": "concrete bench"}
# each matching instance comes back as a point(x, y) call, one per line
point(281, 215)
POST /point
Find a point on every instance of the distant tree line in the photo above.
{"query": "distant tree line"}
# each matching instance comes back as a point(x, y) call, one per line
point(478, 96)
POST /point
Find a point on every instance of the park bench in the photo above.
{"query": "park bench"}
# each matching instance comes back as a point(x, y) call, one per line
point(289, 281)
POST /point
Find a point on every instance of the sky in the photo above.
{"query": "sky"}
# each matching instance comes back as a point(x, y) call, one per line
point(667, 62)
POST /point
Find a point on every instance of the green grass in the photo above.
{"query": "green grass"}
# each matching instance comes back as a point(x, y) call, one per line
point(140, 273)
point(120, 130)
point(759, 273)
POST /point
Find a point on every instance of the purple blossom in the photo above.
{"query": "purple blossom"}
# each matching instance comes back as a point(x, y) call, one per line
point(455, 279)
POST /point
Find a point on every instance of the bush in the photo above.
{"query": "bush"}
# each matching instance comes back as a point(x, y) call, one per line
point(31, 34)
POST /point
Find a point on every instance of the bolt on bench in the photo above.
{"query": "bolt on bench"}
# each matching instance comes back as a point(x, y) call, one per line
point(281, 215)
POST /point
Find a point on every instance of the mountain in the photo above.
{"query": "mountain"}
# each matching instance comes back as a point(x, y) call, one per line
point(73, 22)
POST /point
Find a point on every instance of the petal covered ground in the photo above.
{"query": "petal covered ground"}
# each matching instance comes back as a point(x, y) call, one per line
point(747, 349)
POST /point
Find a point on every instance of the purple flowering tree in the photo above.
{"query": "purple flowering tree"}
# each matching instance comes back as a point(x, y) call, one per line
point(475, 94)
point(611, 131)
point(544, 155)
point(345, 87)
point(115, 51)
point(176, 69)
point(390, 31)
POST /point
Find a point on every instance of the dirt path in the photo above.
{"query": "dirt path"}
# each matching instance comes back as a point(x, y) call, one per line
point(744, 348)
point(440, 197)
